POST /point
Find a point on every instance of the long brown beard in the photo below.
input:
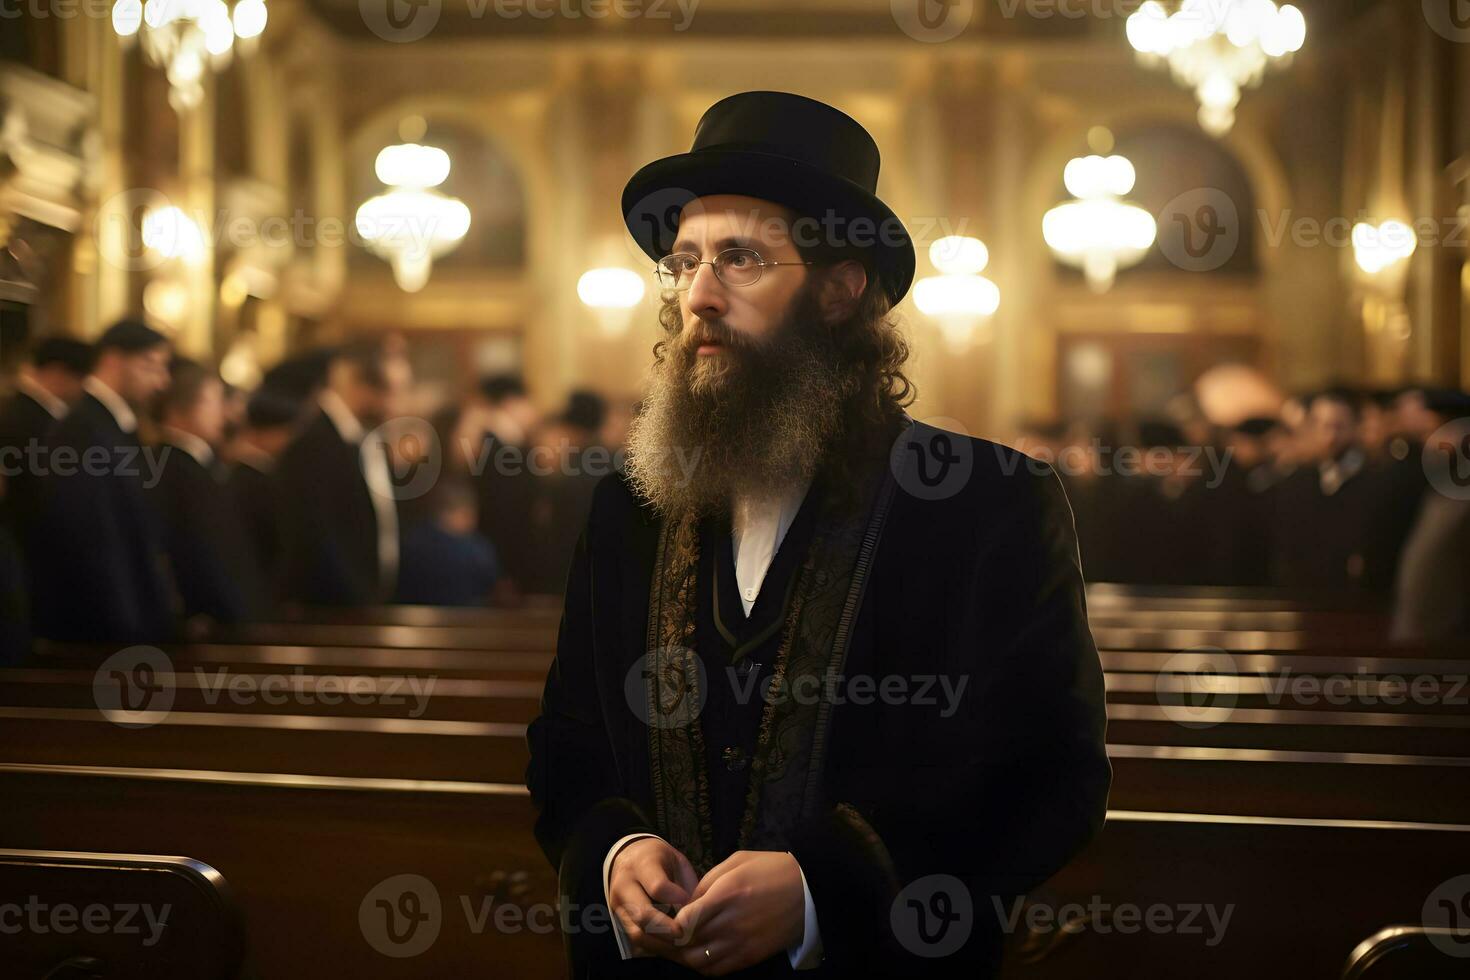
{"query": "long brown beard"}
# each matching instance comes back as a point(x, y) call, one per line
point(757, 418)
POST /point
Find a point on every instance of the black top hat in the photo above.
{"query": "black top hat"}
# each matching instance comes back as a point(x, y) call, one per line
point(784, 148)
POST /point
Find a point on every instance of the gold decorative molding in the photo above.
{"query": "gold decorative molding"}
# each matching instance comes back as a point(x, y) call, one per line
point(48, 156)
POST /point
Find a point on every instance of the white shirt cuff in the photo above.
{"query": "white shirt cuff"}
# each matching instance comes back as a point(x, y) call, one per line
point(622, 937)
point(808, 953)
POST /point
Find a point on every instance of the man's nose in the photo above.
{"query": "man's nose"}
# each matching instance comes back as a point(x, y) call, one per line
point(707, 298)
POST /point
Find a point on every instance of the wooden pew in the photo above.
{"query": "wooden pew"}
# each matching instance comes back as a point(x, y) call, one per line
point(73, 913)
point(498, 664)
point(199, 688)
point(1301, 896)
point(306, 858)
point(1260, 759)
point(299, 743)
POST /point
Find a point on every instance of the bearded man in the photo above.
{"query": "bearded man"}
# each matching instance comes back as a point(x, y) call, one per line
point(824, 694)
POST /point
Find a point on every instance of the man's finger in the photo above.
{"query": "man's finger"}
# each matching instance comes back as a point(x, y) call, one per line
point(713, 875)
point(646, 926)
point(693, 918)
point(718, 962)
point(656, 923)
point(685, 876)
point(665, 891)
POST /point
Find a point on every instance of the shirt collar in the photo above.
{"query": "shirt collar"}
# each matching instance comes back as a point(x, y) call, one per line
point(122, 413)
point(752, 507)
point(254, 457)
point(30, 386)
point(191, 444)
point(341, 417)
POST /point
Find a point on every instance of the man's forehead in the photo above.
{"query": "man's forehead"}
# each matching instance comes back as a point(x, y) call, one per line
point(735, 216)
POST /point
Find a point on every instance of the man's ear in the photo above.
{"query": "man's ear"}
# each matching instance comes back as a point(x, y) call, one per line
point(842, 289)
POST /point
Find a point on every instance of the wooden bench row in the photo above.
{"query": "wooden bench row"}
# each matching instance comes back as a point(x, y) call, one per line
point(1213, 895)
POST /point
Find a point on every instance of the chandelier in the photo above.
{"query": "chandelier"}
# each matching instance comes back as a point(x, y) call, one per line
point(612, 293)
point(960, 299)
point(1217, 48)
point(184, 37)
point(1098, 232)
point(412, 224)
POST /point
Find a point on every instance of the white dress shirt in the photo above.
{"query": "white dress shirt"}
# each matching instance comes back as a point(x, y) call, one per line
point(759, 524)
point(121, 411)
point(191, 444)
point(29, 386)
point(374, 459)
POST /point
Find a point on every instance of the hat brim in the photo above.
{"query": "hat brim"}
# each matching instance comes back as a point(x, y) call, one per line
point(656, 196)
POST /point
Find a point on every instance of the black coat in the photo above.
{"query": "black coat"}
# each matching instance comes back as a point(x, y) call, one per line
point(204, 541)
point(329, 530)
point(507, 493)
point(251, 496)
point(98, 566)
point(23, 421)
point(983, 583)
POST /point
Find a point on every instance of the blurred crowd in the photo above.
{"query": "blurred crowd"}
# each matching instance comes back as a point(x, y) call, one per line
point(142, 498)
point(1342, 492)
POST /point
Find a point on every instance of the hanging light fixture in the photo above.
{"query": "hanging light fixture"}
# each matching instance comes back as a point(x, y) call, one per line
point(1098, 232)
point(612, 293)
point(1217, 48)
point(1380, 247)
point(960, 299)
point(412, 224)
point(187, 37)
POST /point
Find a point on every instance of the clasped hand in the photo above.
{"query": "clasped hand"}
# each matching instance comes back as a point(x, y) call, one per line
point(746, 909)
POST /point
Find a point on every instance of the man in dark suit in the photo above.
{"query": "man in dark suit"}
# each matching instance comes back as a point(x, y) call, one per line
point(98, 564)
point(44, 391)
point(270, 423)
point(338, 506)
point(741, 749)
point(506, 486)
point(1341, 523)
point(203, 536)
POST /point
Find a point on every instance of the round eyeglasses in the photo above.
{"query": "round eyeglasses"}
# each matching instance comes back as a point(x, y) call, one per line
point(733, 267)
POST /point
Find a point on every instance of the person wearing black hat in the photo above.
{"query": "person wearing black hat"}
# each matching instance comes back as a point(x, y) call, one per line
point(713, 759)
point(271, 417)
point(98, 554)
point(44, 391)
point(505, 418)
